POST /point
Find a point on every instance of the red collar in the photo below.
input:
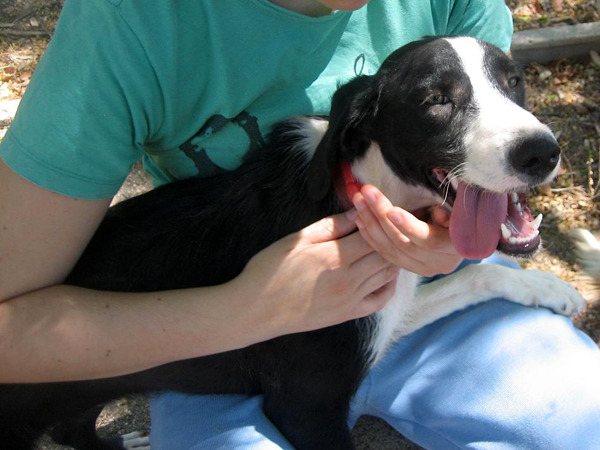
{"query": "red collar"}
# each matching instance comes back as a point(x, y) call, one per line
point(346, 186)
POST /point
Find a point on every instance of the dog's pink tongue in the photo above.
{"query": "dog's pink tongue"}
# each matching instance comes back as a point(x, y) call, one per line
point(475, 221)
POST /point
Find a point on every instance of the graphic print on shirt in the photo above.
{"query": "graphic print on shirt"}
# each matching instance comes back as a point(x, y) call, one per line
point(194, 150)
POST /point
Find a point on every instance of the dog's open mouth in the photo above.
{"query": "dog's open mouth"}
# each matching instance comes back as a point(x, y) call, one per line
point(482, 221)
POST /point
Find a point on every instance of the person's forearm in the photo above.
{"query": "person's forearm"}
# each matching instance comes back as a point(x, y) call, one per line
point(66, 333)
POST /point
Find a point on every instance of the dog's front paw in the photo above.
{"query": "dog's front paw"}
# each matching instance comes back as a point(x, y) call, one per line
point(544, 289)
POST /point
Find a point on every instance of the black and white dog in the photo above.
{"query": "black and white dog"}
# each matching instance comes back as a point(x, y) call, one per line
point(440, 123)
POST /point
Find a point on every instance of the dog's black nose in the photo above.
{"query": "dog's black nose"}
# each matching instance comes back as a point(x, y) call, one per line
point(536, 156)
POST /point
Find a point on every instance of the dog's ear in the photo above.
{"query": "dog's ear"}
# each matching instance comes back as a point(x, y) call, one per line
point(352, 103)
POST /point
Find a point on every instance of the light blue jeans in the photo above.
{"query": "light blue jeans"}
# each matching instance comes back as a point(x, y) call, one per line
point(494, 376)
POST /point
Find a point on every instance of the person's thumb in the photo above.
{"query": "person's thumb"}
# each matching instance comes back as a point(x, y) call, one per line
point(330, 228)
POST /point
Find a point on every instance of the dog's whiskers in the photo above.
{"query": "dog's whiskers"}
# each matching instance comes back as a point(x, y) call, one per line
point(446, 183)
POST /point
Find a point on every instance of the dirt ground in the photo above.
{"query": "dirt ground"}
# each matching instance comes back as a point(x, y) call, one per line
point(564, 94)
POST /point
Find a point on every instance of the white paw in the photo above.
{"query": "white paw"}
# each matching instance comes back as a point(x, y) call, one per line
point(588, 252)
point(544, 289)
point(135, 441)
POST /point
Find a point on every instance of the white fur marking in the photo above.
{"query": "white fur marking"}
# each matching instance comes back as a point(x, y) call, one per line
point(372, 169)
point(394, 317)
point(498, 124)
point(312, 130)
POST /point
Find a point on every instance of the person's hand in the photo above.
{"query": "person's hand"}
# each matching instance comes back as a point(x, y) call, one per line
point(318, 277)
point(420, 247)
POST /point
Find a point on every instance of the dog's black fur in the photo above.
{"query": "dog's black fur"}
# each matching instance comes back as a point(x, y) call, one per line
point(201, 232)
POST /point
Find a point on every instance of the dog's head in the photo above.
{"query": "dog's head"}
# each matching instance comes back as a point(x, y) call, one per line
point(442, 122)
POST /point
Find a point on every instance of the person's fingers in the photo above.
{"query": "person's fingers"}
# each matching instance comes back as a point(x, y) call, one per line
point(376, 281)
point(410, 259)
point(368, 265)
point(440, 216)
point(421, 233)
point(384, 237)
point(376, 299)
point(399, 225)
point(402, 238)
point(330, 228)
point(351, 249)
point(372, 209)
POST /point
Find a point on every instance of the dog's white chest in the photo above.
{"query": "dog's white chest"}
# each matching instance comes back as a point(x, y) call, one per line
point(393, 318)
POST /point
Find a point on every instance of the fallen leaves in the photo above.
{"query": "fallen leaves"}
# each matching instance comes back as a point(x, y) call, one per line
point(543, 13)
point(17, 63)
point(25, 28)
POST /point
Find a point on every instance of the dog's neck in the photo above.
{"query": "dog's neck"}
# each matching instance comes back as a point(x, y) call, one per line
point(346, 185)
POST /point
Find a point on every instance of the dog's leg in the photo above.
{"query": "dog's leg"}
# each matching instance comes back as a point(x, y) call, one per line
point(477, 283)
point(310, 422)
point(310, 379)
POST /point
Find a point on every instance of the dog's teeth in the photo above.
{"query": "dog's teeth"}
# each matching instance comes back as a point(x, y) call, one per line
point(505, 231)
point(508, 236)
point(454, 183)
point(523, 240)
point(515, 199)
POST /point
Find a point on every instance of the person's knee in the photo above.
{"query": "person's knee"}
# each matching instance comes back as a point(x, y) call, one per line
point(499, 372)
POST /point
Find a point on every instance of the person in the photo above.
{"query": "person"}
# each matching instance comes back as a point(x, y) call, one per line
point(189, 87)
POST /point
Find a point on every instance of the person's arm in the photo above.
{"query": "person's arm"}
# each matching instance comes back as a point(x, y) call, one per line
point(54, 332)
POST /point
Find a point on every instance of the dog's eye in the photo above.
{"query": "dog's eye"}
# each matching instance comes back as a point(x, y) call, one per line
point(513, 82)
point(437, 99)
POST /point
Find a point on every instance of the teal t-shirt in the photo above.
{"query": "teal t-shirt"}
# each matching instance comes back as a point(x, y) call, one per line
point(190, 86)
